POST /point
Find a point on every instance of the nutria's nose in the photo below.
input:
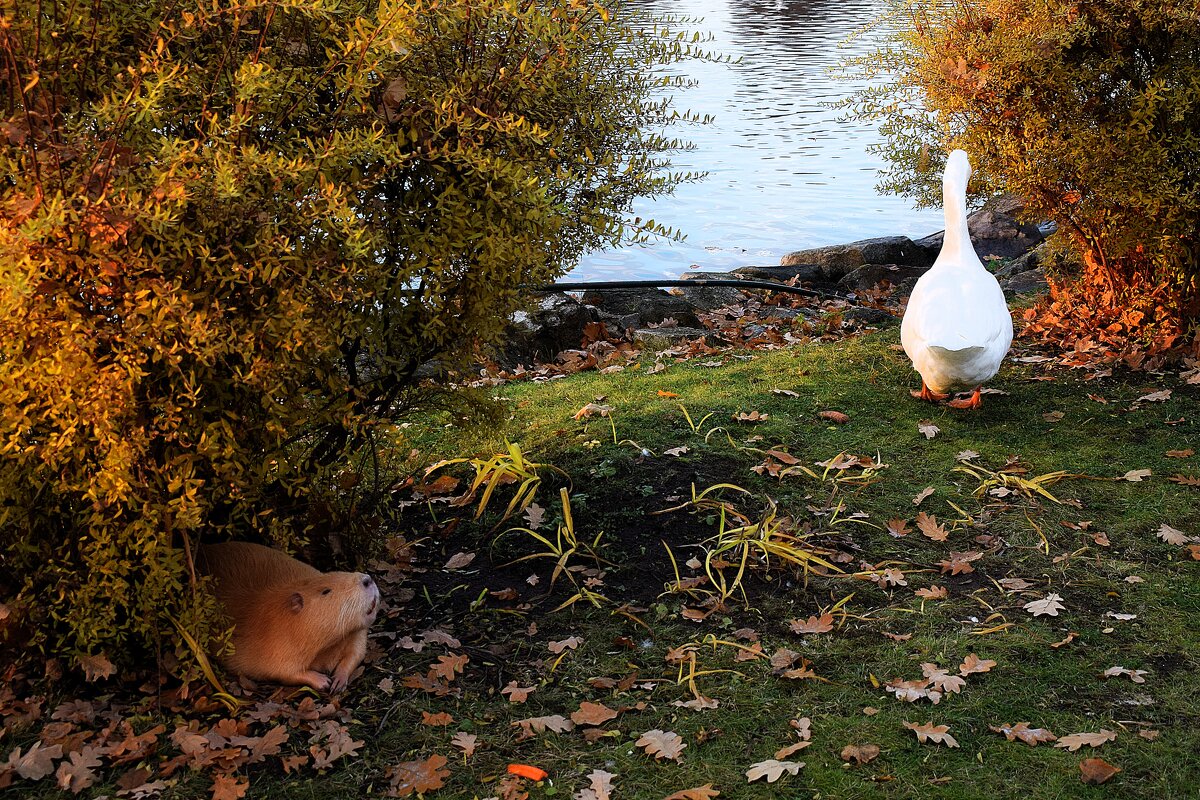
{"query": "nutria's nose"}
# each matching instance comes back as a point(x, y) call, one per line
point(366, 581)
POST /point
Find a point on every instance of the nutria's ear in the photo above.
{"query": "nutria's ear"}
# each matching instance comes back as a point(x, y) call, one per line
point(296, 602)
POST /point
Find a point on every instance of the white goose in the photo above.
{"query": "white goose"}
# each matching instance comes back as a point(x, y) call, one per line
point(956, 328)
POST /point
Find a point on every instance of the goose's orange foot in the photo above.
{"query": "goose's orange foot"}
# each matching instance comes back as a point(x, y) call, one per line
point(974, 401)
point(928, 395)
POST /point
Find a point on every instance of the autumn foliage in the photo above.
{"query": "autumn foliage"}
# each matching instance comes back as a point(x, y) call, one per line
point(1091, 112)
point(236, 237)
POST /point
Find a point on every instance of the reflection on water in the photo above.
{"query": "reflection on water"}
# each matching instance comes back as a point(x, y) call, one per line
point(784, 172)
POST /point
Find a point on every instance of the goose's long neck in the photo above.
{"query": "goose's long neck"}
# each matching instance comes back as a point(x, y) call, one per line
point(956, 244)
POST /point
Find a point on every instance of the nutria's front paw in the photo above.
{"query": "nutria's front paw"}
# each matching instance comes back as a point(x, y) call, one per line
point(317, 680)
point(338, 682)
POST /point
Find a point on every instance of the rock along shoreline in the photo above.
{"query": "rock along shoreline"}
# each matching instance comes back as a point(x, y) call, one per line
point(866, 268)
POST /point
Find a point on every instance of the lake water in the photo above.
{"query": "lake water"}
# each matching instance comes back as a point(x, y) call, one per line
point(785, 173)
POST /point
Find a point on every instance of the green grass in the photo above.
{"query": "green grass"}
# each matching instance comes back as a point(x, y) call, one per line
point(616, 485)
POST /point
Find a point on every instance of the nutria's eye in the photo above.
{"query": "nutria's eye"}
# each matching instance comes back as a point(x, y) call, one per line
point(326, 591)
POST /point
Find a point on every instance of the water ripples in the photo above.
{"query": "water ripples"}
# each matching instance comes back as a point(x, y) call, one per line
point(785, 172)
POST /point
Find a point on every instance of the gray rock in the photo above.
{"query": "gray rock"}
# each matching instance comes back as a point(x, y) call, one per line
point(666, 338)
point(706, 298)
point(782, 274)
point(870, 316)
point(783, 312)
point(637, 309)
point(554, 325)
point(995, 230)
point(869, 275)
point(1028, 282)
point(836, 260)
point(1031, 260)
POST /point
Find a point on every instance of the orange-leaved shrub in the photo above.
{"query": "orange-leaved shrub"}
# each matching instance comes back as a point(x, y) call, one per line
point(1090, 111)
point(237, 237)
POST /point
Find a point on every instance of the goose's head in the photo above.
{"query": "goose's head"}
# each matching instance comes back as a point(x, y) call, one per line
point(958, 172)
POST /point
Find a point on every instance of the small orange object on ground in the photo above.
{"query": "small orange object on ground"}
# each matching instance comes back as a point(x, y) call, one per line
point(526, 771)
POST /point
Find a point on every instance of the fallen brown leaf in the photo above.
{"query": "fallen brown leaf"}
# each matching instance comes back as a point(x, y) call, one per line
point(1022, 732)
point(822, 624)
point(229, 787)
point(772, 770)
point(834, 416)
point(1096, 770)
point(662, 744)
point(973, 664)
point(930, 527)
point(928, 732)
point(417, 776)
point(705, 792)
point(1078, 740)
point(863, 754)
point(592, 714)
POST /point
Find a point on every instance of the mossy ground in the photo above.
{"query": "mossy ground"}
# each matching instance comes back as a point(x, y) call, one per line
point(616, 482)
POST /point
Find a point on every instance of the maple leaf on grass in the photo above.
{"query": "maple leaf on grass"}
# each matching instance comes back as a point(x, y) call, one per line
point(928, 732)
point(1022, 732)
point(821, 624)
point(705, 792)
point(417, 776)
point(593, 714)
point(1096, 770)
point(662, 744)
point(772, 770)
point(1078, 740)
point(897, 527)
point(1049, 605)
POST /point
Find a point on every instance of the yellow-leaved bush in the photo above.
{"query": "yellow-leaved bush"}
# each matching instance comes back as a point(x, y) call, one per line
point(1087, 109)
point(235, 236)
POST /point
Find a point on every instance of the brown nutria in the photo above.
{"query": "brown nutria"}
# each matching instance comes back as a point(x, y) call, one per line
point(291, 623)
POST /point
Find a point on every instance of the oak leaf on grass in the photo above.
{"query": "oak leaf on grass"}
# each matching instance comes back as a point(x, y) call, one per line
point(1022, 732)
point(599, 787)
point(517, 694)
point(76, 773)
point(1049, 605)
point(814, 624)
point(229, 787)
point(772, 770)
point(417, 776)
point(974, 664)
point(930, 527)
point(467, 742)
point(928, 732)
point(662, 744)
point(1078, 740)
point(705, 792)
